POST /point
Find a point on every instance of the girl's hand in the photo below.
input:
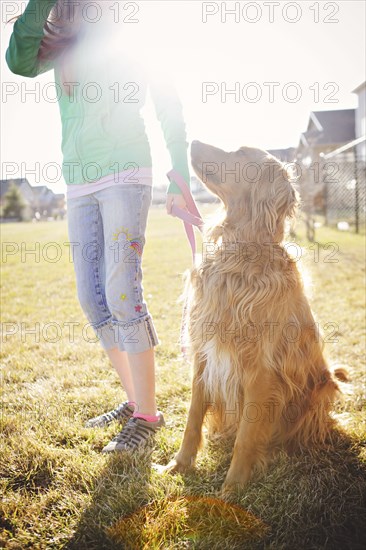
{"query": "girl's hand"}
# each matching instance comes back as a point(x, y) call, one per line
point(177, 199)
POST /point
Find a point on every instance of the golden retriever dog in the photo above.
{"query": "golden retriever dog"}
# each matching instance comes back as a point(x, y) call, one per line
point(259, 373)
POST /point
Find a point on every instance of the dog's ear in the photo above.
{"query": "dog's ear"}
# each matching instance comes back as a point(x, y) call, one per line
point(293, 198)
point(288, 197)
point(273, 199)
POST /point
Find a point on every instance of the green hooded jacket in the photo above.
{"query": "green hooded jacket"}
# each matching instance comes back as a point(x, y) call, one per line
point(103, 131)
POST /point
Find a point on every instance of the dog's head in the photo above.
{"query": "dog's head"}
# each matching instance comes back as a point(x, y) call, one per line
point(255, 188)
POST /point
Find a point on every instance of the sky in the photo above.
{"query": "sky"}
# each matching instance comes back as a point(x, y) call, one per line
point(283, 59)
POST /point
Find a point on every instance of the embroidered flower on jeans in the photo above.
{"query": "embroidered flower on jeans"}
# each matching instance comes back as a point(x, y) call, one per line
point(136, 245)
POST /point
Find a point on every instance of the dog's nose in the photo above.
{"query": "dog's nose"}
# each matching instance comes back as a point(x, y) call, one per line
point(195, 146)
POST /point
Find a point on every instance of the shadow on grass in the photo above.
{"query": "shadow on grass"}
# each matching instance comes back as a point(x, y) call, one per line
point(133, 510)
point(313, 499)
point(121, 487)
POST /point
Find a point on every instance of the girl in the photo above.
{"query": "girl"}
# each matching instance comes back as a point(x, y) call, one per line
point(107, 167)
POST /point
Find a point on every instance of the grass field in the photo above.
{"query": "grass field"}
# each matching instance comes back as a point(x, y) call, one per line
point(59, 491)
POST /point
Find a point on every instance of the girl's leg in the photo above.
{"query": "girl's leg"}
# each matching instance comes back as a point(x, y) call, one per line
point(143, 376)
point(120, 362)
point(124, 211)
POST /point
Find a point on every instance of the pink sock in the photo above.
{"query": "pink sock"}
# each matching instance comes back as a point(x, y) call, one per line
point(132, 404)
point(147, 417)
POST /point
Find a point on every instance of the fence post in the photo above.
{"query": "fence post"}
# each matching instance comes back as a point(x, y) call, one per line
point(357, 198)
point(325, 192)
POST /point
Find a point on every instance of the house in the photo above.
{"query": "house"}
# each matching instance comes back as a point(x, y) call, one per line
point(26, 191)
point(326, 131)
point(331, 160)
point(44, 200)
point(330, 131)
point(354, 151)
point(37, 198)
point(59, 205)
point(48, 203)
point(360, 91)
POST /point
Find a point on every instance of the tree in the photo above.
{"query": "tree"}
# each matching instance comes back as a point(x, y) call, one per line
point(14, 204)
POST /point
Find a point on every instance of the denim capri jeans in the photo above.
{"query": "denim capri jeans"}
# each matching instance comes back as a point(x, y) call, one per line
point(107, 237)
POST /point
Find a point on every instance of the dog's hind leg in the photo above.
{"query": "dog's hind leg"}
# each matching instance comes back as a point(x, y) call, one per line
point(192, 438)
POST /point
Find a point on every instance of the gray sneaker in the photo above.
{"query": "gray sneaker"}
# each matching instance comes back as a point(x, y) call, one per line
point(137, 433)
point(122, 412)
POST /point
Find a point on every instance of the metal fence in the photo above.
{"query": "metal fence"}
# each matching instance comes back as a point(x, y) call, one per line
point(344, 178)
point(333, 190)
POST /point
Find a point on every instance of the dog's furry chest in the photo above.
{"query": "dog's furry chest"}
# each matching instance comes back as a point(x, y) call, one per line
point(219, 376)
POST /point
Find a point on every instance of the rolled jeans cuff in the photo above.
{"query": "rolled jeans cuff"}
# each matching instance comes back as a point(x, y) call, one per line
point(131, 336)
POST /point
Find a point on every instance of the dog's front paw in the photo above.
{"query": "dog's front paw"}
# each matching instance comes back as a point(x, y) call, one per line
point(230, 491)
point(233, 484)
point(176, 466)
point(227, 492)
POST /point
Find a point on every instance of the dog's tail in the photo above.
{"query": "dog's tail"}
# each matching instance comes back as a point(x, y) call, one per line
point(340, 373)
point(316, 424)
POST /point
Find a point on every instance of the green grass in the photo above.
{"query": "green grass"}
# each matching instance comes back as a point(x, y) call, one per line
point(59, 491)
